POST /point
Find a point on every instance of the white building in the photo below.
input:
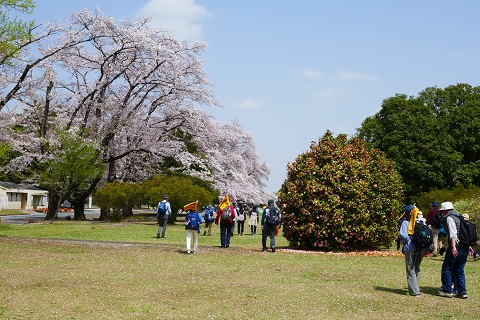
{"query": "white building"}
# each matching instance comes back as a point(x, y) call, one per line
point(21, 196)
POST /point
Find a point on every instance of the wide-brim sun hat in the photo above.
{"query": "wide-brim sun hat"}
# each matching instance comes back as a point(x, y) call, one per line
point(446, 206)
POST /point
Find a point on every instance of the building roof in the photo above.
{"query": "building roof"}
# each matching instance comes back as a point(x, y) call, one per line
point(23, 186)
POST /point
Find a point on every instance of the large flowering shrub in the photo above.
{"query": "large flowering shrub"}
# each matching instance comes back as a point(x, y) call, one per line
point(341, 195)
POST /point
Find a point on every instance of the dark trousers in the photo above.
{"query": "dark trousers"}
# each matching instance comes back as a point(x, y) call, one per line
point(162, 225)
point(240, 226)
point(225, 233)
point(453, 270)
point(268, 231)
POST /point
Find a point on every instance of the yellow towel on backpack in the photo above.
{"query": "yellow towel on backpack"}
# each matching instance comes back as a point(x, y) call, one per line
point(413, 219)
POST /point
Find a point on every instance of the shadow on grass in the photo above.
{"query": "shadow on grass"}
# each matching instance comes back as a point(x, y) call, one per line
point(392, 290)
point(429, 290)
point(424, 290)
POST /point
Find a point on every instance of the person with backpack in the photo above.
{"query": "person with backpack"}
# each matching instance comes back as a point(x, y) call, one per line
point(413, 255)
point(472, 250)
point(435, 224)
point(456, 255)
point(270, 219)
point(226, 216)
point(163, 212)
point(192, 226)
point(208, 215)
point(241, 220)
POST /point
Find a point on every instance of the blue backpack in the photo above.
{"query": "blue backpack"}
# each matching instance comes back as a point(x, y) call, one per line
point(161, 208)
point(193, 222)
point(209, 215)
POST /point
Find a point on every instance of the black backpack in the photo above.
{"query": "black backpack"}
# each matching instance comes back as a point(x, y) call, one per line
point(422, 236)
point(437, 221)
point(273, 217)
point(467, 235)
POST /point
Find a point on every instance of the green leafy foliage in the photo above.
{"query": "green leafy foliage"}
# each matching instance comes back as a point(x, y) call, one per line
point(117, 197)
point(6, 155)
point(470, 206)
point(340, 195)
point(13, 31)
point(433, 138)
point(181, 191)
point(425, 199)
point(72, 163)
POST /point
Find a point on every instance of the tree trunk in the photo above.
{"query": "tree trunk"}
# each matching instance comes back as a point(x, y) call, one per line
point(127, 211)
point(79, 210)
point(53, 204)
point(79, 198)
point(104, 214)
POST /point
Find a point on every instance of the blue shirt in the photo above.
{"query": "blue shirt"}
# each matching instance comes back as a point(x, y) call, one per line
point(405, 238)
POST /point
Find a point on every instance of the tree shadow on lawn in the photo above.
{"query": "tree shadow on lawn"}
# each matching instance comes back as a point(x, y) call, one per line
point(424, 290)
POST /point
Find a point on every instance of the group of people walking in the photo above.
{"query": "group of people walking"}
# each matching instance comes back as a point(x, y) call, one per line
point(456, 253)
point(226, 216)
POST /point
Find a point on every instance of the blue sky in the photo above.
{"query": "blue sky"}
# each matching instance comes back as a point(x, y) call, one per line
point(288, 71)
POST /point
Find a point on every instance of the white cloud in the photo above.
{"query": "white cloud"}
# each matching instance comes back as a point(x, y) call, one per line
point(345, 75)
point(249, 104)
point(312, 73)
point(328, 92)
point(181, 17)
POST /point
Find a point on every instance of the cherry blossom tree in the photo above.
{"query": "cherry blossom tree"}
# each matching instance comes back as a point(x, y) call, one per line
point(236, 168)
point(130, 88)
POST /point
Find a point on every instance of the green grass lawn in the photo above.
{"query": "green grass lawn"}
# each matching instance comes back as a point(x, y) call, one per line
point(122, 271)
point(12, 212)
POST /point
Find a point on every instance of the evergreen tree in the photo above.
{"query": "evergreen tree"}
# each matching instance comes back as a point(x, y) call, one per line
point(340, 195)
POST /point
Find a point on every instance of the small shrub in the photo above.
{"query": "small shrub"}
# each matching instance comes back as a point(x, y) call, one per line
point(340, 195)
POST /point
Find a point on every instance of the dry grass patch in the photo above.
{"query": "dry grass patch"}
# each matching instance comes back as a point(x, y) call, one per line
point(151, 279)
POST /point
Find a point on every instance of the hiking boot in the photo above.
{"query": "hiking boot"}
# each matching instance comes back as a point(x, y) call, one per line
point(434, 255)
point(204, 233)
point(462, 295)
point(188, 251)
point(273, 249)
point(442, 293)
point(158, 236)
point(264, 249)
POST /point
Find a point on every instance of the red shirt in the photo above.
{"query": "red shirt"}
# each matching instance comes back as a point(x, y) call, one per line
point(219, 215)
point(431, 214)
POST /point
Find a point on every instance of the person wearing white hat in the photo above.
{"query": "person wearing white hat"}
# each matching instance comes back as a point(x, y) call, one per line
point(455, 256)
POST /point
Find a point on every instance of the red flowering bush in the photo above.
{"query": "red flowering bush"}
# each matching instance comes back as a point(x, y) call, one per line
point(341, 195)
